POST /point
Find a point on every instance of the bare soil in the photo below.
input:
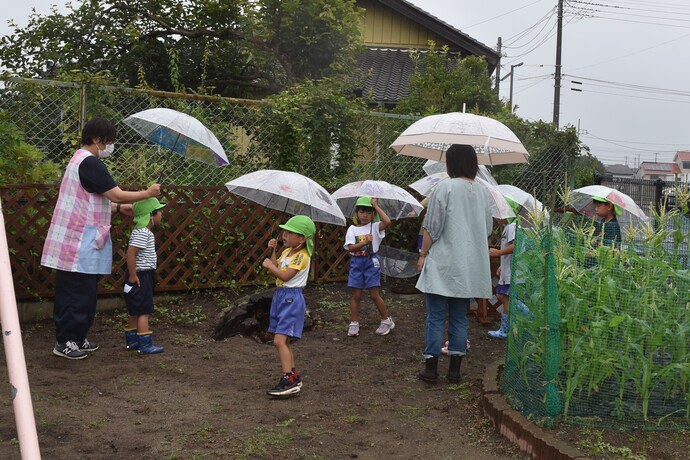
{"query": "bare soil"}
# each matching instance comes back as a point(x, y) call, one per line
point(205, 399)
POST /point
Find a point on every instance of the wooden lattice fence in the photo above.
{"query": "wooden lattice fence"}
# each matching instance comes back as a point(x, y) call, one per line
point(208, 239)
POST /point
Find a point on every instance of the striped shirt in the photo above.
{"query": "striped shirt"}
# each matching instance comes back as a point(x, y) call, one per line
point(145, 241)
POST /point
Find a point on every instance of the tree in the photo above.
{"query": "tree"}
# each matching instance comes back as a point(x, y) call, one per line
point(314, 130)
point(21, 163)
point(233, 48)
point(444, 84)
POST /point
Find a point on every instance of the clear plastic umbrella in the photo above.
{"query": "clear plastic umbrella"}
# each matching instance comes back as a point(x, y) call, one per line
point(529, 208)
point(500, 208)
point(628, 213)
point(395, 201)
point(289, 192)
point(180, 133)
point(431, 136)
point(433, 167)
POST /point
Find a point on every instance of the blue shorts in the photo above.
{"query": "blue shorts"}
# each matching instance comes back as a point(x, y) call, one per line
point(287, 312)
point(365, 272)
point(503, 289)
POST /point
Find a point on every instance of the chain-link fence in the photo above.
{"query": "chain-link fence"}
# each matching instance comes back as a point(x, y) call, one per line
point(51, 114)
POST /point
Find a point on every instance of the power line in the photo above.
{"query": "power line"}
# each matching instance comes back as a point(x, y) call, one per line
point(633, 53)
point(503, 14)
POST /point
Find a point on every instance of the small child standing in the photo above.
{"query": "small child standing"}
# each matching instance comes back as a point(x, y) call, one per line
point(362, 241)
point(288, 306)
point(503, 273)
point(141, 266)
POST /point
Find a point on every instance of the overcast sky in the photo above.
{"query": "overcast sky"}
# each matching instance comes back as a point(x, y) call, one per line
point(631, 57)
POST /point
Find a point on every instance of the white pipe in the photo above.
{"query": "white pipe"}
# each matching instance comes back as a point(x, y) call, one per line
point(14, 355)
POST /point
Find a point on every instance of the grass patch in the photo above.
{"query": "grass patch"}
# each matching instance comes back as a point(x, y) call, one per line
point(354, 418)
point(412, 412)
point(263, 442)
point(180, 316)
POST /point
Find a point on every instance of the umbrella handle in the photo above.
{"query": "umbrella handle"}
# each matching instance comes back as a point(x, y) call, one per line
point(167, 161)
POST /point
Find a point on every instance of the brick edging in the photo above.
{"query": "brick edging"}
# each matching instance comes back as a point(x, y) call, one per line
point(531, 439)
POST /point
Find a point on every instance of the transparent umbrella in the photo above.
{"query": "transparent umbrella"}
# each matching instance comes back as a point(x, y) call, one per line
point(289, 192)
point(433, 167)
point(431, 136)
point(395, 201)
point(500, 208)
point(180, 133)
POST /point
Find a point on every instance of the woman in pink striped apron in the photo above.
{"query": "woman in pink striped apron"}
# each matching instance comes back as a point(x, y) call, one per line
point(78, 244)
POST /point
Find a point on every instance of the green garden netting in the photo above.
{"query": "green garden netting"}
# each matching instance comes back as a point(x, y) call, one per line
point(600, 335)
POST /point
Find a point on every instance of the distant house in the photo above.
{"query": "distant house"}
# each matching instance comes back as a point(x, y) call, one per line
point(653, 171)
point(682, 159)
point(392, 28)
point(619, 171)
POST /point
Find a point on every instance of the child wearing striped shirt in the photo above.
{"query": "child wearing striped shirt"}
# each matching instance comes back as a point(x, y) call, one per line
point(141, 266)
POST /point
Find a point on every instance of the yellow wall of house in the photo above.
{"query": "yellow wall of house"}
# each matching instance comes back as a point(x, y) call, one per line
point(383, 27)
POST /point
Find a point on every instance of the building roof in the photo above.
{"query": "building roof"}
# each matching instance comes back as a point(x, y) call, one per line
point(660, 168)
point(445, 30)
point(682, 155)
point(619, 170)
point(386, 71)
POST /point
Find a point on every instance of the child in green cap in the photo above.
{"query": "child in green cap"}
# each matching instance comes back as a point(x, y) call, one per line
point(288, 307)
point(362, 240)
point(141, 266)
point(606, 228)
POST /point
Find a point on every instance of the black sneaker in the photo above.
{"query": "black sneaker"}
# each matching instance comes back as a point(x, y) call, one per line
point(88, 346)
point(297, 379)
point(69, 350)
point(286, 387)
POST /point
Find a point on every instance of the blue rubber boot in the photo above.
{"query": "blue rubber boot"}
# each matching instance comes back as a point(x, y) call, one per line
point(131, 339)
point(146, 346)
point(502, 332)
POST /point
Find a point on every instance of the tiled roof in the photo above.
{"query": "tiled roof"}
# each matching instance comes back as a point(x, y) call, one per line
point(619, 170)
point(665, 168)
point(682, 155)
point(386, 73)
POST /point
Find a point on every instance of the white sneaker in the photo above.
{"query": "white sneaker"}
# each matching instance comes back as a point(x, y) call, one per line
point(353, 329)
point(385, 327)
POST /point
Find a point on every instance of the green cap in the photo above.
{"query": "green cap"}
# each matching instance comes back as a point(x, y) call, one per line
point(302, 225)
point(514, 205)
point(363, 201)
point(143, 209)
point(617, 210)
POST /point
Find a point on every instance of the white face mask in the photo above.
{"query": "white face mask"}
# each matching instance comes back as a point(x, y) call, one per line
point(109, 148)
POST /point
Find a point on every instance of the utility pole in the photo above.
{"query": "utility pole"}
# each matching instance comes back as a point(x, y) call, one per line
point(512, 68)
point(498, 66)
point(557, 77)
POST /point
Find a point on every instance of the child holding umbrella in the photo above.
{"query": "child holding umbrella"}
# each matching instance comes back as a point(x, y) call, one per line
point(288, 307)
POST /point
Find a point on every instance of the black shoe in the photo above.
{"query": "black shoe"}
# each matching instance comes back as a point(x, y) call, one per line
point(88, 346)
point(69, 350)
point(297, 379)
point(287, 386)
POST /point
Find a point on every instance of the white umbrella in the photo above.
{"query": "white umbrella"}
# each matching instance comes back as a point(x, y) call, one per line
point(179, 132)
point(395, 201)
point(289, 192)
point(431, 136)
point(500, 208)
point(433, 167)
point(529, 206)
point(628, 213)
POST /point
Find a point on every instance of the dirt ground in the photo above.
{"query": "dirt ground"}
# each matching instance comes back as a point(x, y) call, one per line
point(205, 399)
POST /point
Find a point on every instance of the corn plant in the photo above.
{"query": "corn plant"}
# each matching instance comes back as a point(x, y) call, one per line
point(623, 330)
